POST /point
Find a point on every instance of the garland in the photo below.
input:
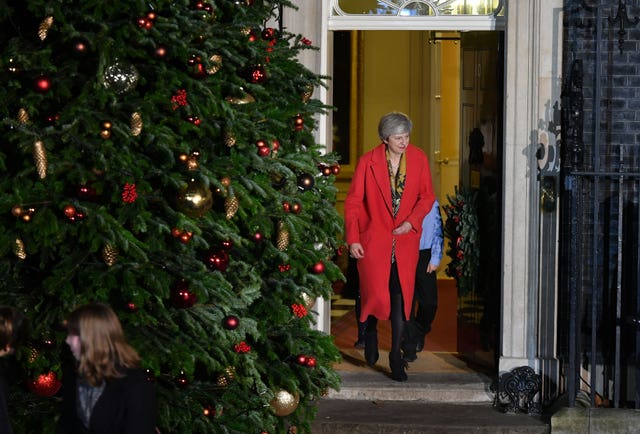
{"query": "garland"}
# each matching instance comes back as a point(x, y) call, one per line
point(461, 229)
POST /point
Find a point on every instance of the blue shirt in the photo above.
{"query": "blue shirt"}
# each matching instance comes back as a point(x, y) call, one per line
point(432, 236)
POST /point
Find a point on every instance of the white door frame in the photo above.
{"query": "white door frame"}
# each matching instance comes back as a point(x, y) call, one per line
point(533, 49)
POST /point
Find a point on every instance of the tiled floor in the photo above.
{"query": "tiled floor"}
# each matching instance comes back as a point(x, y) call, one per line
point(440, 346)
point(443, 336)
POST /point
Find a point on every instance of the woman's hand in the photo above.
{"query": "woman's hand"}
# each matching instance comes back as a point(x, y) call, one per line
point(356, 250)
point(404, 228)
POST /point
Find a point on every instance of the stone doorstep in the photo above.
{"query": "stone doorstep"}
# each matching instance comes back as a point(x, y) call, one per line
point(581, 420)
point(452, 388)
point(408, 417)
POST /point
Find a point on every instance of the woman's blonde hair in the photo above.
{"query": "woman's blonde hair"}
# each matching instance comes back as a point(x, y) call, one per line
point(104, 352)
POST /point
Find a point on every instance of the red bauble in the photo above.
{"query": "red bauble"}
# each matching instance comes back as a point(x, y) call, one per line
point(296, 208)
point(335, 169)
point(326, 171)
point(52, 119)
point(275, 145)
point(196, 66)
point(42, 84)
point(264, 151)
point(182, 381)
point(45, 385)
point(257, 74)
point(298, 122)
point(80, 46)
point(306, 181)
point(231, 322)
point(286, 206)
point(318, 267)
point(261, 143)
point(268, 33)
point(301, 359)
point(218, 260)
point(181, 296)
point(160, 51)
point(310, 362)
point(257, 237)
point(86, 192)
point(227, 245)
point(69, 211)
point(131, 307)
point(185, 237)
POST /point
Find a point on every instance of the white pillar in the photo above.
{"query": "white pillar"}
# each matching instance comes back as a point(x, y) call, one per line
point(533, 47)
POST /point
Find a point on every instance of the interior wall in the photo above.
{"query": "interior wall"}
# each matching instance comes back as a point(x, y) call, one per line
point(392, 82)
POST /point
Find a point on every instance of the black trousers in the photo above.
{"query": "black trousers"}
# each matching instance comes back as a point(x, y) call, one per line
point(425, 303)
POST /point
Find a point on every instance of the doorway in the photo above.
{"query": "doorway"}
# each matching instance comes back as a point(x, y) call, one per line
point(450, 84)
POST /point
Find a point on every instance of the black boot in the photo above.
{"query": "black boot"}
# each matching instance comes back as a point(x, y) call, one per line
point(408, 343)
point(371, 341)
point(409, 352)
point(397, 366)
point(371, 347)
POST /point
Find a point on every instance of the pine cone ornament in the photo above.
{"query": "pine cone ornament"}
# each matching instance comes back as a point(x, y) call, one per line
point(43, 28)
point(229, 139)
point(283, 237)
point(40, 158)
point(109, 254)
point(23, 116)
point(222, 381)
point(18, 249)
point(136, 124)
point(216, 64)
point(231, 206)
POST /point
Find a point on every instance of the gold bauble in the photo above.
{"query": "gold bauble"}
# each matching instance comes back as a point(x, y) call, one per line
point(195, 199)
point(284, 403)
point(17, 210)
point(244, 99)
point(40, 158)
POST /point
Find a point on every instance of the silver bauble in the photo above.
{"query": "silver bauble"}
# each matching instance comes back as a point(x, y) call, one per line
point(120, 77)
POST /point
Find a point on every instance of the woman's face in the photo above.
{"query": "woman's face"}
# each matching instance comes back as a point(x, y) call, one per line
point(74, 343)
point(398, 143)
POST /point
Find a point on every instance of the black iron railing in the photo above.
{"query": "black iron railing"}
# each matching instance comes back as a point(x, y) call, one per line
point(600, 296)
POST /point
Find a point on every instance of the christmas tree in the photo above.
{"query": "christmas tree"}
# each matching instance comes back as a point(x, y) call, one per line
point(159, 156)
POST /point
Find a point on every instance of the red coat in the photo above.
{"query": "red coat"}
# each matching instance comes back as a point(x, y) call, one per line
point(369, 220)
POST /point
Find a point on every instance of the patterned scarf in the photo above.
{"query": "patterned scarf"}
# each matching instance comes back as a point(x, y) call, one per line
point(397, 187)
point(397, 180)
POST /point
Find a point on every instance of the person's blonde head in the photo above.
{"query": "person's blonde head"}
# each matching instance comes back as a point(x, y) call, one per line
point(104, 352)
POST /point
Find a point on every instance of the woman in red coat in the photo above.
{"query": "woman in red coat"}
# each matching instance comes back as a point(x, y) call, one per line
point(390, 194)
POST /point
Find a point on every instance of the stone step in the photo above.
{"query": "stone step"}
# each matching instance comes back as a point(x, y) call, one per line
point(341, 416)
point(442, 395)
point(455, 388)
